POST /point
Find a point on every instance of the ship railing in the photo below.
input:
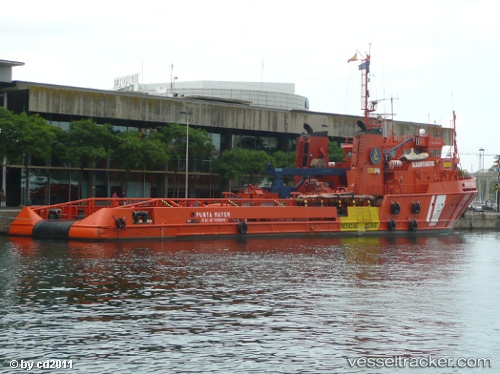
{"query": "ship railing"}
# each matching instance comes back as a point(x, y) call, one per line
point(78, 209)
point(209, 202)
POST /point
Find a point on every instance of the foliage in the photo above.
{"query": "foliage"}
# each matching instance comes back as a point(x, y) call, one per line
point(284, 159)
point(235, 163)
point(256, 163)
point(174, 136)
point(58, 147)
point(201, 145)
point(6, 126)
point(335, 152)
point(87, 142)
point(137, 151)
point(23, 134)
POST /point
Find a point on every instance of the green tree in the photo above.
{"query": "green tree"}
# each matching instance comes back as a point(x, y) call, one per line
point(236, 163)
point(86, 143)
point(24, 137)
point(7, 120)
point(256, 163)
point(284, 159)
point(58, 147)
point(228, 167)
point(174, 136)
point(137, 151)
point(335, 152)
point(201, 146)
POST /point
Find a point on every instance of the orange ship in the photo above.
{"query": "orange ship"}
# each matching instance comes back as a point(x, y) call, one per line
point(386, 186)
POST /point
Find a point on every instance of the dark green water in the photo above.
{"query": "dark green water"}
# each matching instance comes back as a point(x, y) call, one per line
point(273, 305)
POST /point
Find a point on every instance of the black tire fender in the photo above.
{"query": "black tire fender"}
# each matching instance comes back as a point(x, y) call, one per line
point(120, 223)
point(395, 208)
point(391, 225)
point(413, 225)
point(242, 228)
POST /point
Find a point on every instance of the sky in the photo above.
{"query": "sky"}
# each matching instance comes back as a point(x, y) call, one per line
point(431, 57)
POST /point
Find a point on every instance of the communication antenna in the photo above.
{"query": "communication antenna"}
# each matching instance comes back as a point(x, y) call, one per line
point(262, 74)
point(172, 79)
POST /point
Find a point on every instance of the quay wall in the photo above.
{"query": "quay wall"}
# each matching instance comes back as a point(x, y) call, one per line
point(479, 221)
point(470, 221)
point(7, 215)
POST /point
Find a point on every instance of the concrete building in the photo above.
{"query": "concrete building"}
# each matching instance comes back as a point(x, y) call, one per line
point(258, 94)
point(232, 122)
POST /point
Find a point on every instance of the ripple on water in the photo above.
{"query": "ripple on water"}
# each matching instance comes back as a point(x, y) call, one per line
point(300, 305)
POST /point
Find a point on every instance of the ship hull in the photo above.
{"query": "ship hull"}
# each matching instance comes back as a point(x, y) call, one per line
point(163, 219)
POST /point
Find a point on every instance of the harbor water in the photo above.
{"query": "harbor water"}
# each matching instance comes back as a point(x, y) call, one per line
point(280, 305)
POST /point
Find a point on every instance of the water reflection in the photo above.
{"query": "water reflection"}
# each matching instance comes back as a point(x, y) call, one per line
point(286, 305)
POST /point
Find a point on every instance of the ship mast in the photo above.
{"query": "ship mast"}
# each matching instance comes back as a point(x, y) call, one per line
point(367, 105)
point(456, 158)
point(365, 92)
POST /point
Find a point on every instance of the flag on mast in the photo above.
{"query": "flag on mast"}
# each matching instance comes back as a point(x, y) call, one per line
point(353, 58)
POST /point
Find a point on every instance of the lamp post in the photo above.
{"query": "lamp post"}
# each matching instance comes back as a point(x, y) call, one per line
point(481, 170)
point(187, 151)
point(497, 184)
point(481, 159)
